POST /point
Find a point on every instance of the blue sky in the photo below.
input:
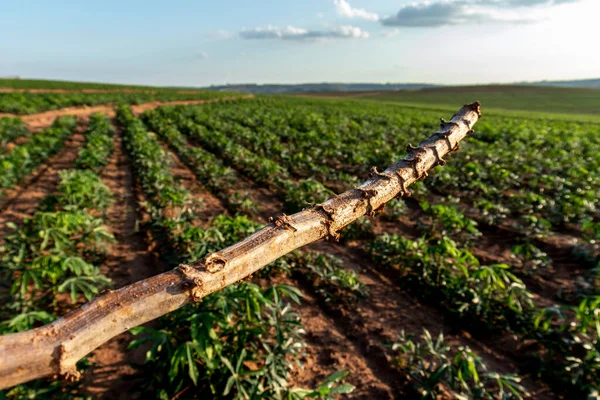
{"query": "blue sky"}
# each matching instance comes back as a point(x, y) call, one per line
point(197, 43)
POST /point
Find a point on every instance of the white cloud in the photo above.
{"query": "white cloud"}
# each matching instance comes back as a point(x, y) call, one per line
point(343, 8)
point(202, 56)
point(461, 12)
point(219, 34)
point(293, 33)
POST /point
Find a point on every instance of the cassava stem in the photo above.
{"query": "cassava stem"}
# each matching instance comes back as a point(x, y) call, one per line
point(54, 349)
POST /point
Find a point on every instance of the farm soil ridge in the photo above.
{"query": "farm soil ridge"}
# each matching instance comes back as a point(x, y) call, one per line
point(375, 322)
point(44, 119)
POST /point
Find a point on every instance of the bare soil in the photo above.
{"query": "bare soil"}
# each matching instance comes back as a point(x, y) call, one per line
point(329, 350)
point(210, 206)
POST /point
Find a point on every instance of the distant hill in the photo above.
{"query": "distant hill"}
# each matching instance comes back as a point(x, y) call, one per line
point(582, 83)
point(317, 87)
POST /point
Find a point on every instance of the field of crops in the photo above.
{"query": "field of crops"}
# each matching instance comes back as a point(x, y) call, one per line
point(576, 104)
point(482, 281)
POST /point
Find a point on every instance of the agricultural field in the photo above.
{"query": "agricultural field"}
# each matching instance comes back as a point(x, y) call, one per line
point(481, 281)
point(575, 104)
point(22, 97)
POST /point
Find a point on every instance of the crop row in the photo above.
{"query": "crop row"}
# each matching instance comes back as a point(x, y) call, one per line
point(239, 156)
point(513, 168)
point(57, 251)
point(21, 160)
point(242, 341)
point(21, 103)
point(439, 268)
point(10, 130)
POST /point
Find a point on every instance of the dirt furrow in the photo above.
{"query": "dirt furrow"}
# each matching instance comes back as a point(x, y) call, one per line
point(329, 350)
point(132, 258)
point(210, 206)
point(129, 260)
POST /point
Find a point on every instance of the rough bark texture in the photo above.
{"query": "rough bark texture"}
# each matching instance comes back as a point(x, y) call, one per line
point(54, 349)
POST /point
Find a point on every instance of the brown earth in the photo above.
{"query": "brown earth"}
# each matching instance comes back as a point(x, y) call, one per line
point(44, 119)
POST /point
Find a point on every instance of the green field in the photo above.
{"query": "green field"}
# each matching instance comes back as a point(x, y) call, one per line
point(520, 101)
point(496, 245)
point(37, 84)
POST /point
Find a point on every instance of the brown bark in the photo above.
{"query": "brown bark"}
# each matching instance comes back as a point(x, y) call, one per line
point(54, 349)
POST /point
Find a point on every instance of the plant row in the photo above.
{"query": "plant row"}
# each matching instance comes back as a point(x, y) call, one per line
point(28, 103)
point(439, 271)
point(10, 130)
point(321, 270)
point(330, 140)
point(51, 262)
point(331, 280)
point(21, 160)
point(241, 342)
point(492, 294)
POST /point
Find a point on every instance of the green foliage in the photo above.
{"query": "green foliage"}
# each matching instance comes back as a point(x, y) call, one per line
point(10, 130)
point(56, 251)
point(308, 191)
point(99, 145)
point(83, 190)
point(331, 280)
point(533, 258)
point(571, 339)
point(448, 221)
point(435, 368)
point(514, 167)
point(327, 390)
point(361, 228)
point(45, 390)
point(151, 162)
point(23, 159)
point(439, 268)
point(243, 204)
point(196, 242)
point(240, 342)
point(394, 209)
point(28, 103)
point(48, 255)
point(591, 230)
